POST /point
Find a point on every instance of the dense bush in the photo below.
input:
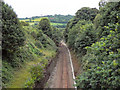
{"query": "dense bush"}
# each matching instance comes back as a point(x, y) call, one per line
point(85, 13)
point(13, 36)
point(7, 71)
point(45, 40)
point(57, 35)
point(21, 44)
point(46, 29)
point(108, 14)
point(80, 33)
point(101, 63)
point(45, 26)
point(36, 74)
point(98, 43)
point(34, 49)
point(80, 36)
point(23, 55)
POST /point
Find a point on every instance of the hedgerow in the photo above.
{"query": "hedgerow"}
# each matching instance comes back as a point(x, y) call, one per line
point(101, 63)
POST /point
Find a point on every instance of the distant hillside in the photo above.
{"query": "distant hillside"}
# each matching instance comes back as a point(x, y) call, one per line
point(58, 21)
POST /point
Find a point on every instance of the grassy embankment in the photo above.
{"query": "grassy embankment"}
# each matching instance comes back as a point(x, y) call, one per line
point(22, 75)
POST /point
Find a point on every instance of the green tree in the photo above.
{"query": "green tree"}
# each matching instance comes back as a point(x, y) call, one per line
point(101, 63)
point(45, 26)
point(86, 13)
point(13, 36)
point(57, 35)
point(108, 14)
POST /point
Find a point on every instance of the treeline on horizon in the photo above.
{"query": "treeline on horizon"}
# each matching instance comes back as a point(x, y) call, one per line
point(57, 18)
point(58, 21)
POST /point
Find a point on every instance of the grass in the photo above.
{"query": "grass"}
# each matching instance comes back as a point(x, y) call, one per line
point(57, 24)
point(25, 20)
point(20, 78)
point(49, 53)
point(31, 23)
point(36, 20)
point(22, 75)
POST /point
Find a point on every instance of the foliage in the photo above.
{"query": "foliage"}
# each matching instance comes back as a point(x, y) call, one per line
point(57, 35)
point(86, 13)
point(95, 38)
point(7, 71)
point(21, 44)
point(108, 14)
point(58, 21)
point(36, 74)
point(82, 14)
point(45, 26)
point(51, 32)
point(85, 37)
point(101, 63)
point(79, 31)
point(80, 36)
point(13, 36)
point(19, 59)
point(45, 40)
point(24, 23)
point(60, 18)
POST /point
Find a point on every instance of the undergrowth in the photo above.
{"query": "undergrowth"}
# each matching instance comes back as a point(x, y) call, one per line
point(27, 61)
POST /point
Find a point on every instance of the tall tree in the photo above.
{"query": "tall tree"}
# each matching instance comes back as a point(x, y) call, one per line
point(108, 14)
point(86, 13)
point(13, 37)
point(45, 26)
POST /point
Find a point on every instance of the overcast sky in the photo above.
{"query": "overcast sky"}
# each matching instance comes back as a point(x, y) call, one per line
point(29, 8)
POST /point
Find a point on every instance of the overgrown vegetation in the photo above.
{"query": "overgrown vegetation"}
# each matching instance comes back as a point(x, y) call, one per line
point(95, 37)
point(26, 49)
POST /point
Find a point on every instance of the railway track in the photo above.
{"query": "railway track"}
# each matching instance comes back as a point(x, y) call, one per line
point(62, 76)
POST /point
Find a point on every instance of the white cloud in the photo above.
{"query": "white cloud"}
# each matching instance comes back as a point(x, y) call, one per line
point(29, 8)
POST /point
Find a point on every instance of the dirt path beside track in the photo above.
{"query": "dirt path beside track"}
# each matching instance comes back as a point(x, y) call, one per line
point(62, 76)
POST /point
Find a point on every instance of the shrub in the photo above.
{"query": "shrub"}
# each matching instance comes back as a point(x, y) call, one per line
point(13, 36)
point(80, 36)
point(101, 63)
point(36, 75)
point(7, 72)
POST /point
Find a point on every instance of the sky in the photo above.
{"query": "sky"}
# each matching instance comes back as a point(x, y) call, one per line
point(29, 8)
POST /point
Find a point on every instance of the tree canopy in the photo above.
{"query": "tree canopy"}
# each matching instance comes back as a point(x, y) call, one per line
point(86, 13)
point(45, 26)
point(13, 36)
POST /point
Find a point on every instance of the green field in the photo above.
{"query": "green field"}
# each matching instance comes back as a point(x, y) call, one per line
point(59, 21)
point(36, 21)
